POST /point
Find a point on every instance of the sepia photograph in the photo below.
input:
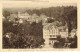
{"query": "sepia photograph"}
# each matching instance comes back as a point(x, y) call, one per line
point(39, 25)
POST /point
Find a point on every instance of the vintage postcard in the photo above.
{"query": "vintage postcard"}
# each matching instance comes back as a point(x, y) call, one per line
point(29, 25)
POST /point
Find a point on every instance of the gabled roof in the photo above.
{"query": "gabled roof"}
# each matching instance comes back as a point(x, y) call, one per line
point(49, 26)
point(74, 30)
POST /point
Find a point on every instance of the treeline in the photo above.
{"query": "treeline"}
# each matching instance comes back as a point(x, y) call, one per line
point(65, 15)
point(62, 14)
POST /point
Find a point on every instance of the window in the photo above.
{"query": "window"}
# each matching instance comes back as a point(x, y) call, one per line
point(45, 32)
point(49, 31)
point(52, 31)
point(50, 35)
point(52, 41)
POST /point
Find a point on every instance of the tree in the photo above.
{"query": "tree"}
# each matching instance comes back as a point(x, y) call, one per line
point(37, 29)
point(6, 14)
point(71, 19)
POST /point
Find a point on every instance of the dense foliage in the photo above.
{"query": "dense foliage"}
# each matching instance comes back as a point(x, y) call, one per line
point(22, 35)
point(28, 35)
point(64, 43)
point(62, 14)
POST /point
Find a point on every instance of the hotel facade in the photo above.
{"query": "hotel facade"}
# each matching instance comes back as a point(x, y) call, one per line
point(51, 31)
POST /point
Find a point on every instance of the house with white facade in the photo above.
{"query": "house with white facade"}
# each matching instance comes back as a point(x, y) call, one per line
point(44, 19)
point(63, 31)
point(73, 32)
point(50, 33)
point(12, 17)
point(24, 15)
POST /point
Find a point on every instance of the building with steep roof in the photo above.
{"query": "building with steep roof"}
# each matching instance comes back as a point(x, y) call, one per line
point(44, 19)
point(73, 32)
point(24, 15)
point(50, 33)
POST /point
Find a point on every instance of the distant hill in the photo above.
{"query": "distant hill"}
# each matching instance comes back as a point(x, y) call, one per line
point(64, 14)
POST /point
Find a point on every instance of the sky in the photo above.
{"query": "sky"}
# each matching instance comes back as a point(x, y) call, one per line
point(35, 4)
